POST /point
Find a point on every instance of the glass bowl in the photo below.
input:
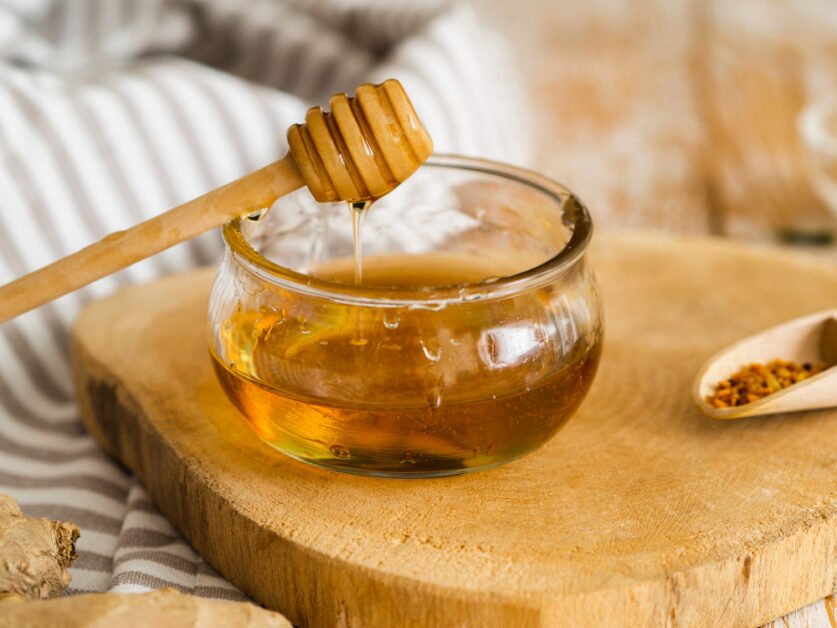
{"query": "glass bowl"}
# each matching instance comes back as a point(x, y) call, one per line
point(474, 334)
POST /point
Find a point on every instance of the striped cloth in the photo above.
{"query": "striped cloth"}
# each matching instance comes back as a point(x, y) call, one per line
point(114, 110)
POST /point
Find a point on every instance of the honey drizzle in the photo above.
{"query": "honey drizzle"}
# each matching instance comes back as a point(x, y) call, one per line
point(358, 211)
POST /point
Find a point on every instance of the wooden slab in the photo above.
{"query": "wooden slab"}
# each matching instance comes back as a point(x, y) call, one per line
point(641, 511)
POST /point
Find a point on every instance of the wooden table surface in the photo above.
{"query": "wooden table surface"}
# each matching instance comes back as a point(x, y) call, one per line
point(675, 114)
point(679, 115)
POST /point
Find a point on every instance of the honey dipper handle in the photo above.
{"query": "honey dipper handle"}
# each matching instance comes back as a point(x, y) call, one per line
point(243, 196)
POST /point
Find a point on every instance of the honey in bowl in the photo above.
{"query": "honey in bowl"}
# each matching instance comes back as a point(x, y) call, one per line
point(453, 358)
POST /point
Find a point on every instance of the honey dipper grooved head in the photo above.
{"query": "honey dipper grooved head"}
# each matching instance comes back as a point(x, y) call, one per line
point(363, 148)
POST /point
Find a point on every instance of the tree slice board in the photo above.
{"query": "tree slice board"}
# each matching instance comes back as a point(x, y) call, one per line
point(640, 511)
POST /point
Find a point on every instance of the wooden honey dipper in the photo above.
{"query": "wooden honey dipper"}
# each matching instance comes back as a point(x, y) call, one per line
point(360, 151)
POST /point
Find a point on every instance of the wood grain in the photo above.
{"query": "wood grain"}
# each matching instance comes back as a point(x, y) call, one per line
point(678, 115)
point(641, 511)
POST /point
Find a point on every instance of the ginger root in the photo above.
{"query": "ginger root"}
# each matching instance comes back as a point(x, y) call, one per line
point(165, 608)
point(34, 554)
point(34, 557)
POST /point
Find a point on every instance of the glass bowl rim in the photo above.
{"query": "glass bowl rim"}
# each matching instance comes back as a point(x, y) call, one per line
point(434, 297)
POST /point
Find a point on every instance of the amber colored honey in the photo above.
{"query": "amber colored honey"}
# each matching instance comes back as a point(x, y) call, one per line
point(400, 390)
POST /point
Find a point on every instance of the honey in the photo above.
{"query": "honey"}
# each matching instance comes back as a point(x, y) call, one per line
point(462, 334)
point(407, 389)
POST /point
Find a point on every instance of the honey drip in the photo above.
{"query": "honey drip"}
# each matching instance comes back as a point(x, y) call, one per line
point(358, 211)
point(399, 389)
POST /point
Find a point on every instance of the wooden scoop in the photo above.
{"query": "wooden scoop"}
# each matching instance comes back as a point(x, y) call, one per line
point(360, 151)
point(808, 339)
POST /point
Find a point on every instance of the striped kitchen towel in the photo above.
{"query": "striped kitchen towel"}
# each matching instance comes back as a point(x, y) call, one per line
point(114, 110)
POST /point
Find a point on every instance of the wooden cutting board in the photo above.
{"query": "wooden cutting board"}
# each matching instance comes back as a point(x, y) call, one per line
point(640, 511)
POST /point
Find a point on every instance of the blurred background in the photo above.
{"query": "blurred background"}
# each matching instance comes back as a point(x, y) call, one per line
point(683, 114)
